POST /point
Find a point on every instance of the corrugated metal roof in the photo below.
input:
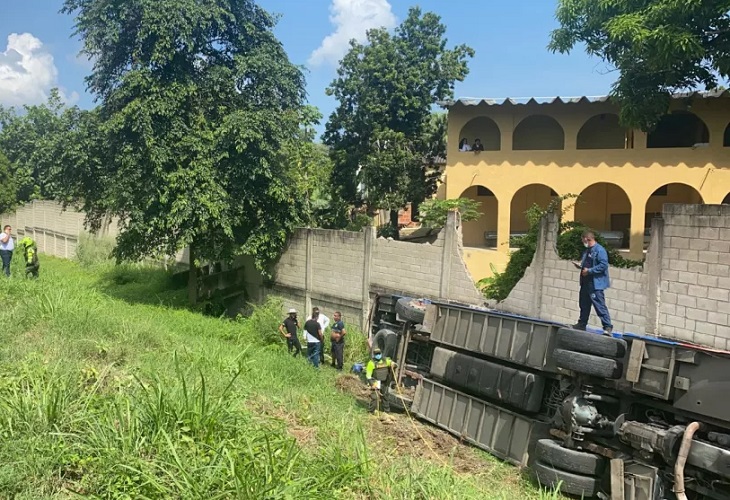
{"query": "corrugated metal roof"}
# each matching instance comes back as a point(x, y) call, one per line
point(523, 101)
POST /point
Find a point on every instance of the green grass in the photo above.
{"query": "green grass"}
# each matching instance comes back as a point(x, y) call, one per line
point(111, 388)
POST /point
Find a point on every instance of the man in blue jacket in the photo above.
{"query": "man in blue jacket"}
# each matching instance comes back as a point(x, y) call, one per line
point(593, 281)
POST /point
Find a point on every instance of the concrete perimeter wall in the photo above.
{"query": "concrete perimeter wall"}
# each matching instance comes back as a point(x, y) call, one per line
point(57, 231)
point(682, 292)
point(344, 270)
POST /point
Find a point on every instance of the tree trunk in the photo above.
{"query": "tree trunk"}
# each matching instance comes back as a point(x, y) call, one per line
point(414, 210)
point(192, 278)
point(394, 224)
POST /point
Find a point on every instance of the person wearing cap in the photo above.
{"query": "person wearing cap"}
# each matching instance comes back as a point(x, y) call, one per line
point(378, 374)
point(288, 328)
point(30, 254)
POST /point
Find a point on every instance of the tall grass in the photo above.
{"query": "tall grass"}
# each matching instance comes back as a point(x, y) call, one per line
point(110, 388)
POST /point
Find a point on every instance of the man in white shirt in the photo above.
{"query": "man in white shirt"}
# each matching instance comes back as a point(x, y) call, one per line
point(324, 322)
point(7, 245)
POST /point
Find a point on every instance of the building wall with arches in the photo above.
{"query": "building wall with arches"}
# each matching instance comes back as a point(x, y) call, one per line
point(621, 179)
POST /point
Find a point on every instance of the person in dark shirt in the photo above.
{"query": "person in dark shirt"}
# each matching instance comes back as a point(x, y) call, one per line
point(314, 339)
point(478, 146)
point(338, 341)
point(288, 328)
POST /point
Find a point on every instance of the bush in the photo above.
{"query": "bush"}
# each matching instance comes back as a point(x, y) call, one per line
point(433, 213)
point(569, 247)
point(387, 231)
point(92, 250)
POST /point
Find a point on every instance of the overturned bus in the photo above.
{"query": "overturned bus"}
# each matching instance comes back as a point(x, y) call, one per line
point(613, 417)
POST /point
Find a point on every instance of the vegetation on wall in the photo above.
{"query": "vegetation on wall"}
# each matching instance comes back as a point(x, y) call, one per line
point(569, 246)
point(433, 213)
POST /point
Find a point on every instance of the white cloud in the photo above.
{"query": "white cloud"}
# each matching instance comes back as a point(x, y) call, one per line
point(352, 19)
point(27, 72)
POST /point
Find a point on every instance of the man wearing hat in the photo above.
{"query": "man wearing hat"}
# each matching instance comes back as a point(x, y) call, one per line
point(378, 375)
point(288, 328)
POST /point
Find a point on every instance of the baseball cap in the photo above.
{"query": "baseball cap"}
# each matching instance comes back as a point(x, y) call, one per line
point(292, 311)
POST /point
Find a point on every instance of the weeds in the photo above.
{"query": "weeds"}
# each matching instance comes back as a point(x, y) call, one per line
point(110, 388)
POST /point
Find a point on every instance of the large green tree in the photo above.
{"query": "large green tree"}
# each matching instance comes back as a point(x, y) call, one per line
point(386, 90)
point(34, 140)
point(8, 187)
point(657, 46)
point(197, 100)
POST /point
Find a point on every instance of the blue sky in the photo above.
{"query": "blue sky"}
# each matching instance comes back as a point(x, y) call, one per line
point(509, 37)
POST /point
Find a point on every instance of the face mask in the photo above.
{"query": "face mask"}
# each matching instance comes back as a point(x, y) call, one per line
point(585, 245)
point(378, 357)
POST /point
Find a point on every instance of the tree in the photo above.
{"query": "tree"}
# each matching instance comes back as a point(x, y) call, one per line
point(33, 141)
point(197, 100)
point(658, 47)
point(312, 169)
point(386, 89)
point(8, 186)
point(434, 212)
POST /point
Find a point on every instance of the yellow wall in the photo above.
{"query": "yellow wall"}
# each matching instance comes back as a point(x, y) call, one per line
point(613, 181)
point(478, 262)
point(473, 231)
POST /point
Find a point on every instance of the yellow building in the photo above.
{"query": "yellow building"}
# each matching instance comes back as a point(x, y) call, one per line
point(538, 149)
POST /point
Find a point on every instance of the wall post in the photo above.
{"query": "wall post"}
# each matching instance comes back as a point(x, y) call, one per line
point(653, 268)
point(452, 223)
point(308, 274)
point(368, 258)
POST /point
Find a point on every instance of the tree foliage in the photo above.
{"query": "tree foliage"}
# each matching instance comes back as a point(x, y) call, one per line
point(434, 212)
point(197, 101)
point(658, 47)
point(34, 141)
point(382, 133)
point(311, 171)
point(8, 186)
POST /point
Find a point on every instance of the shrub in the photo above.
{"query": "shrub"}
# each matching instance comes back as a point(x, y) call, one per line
point(92, 250)
point(434, 212)
point(569, 247)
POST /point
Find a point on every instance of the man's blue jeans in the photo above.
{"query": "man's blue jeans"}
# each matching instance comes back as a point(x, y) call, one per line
point(596, 299)
point(6, 256)
point(313, 350)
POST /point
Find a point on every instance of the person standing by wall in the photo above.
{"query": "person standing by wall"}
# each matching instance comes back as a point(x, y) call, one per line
point(289, 329)
point(338, 341)
point(314, 339)
point(7, 245)
point(593, 281)
point(324, 322)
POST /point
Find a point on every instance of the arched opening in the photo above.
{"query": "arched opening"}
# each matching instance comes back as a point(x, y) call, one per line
point(523, 199)
point(602, 132)
point(726, 137)
point(483, 231)
point(538, 132)
point(681, 129)
point(605, 208)
point(726, 201)
point(484, 129)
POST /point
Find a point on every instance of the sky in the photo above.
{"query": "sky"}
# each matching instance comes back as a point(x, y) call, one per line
point(38, 50)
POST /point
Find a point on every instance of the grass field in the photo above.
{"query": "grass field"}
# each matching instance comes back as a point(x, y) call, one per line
point(110, 388)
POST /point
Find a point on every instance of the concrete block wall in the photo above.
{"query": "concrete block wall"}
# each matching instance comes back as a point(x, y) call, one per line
point(695, 278)
point(408, 268)
point(682, 292)
point(342, 270)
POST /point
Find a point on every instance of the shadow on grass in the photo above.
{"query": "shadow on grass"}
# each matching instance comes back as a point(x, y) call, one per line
point(138, 284)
